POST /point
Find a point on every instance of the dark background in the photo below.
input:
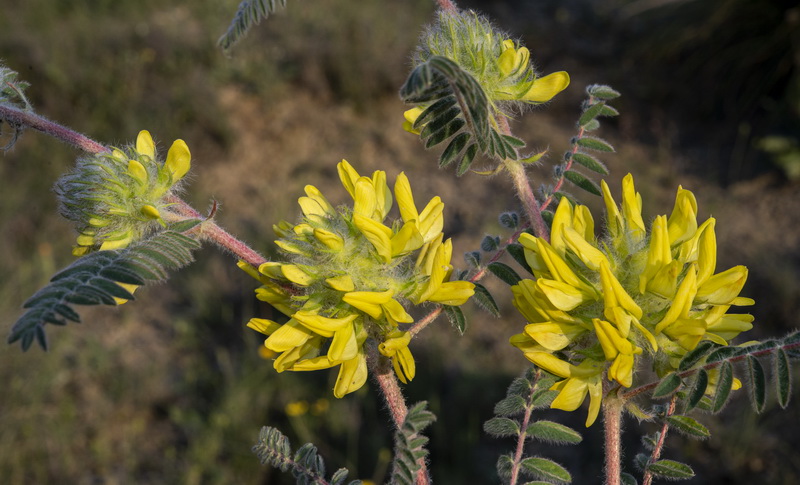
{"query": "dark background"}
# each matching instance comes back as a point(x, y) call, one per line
point(170, 388)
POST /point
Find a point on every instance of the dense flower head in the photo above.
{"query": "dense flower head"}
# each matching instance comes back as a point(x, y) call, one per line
point(500, 64)
point(117, 197)
point(347, 275)
point(598, 306)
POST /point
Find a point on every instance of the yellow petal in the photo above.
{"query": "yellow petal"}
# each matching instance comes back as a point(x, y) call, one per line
point(329, 239)
point(291, 334)
point(683, 220)
point(344, 345)
point(507, 60)
point(395, 312)
point(561, 295)
point(632, 209)
point(377, 234)
point(544, 88)
point(369, 302)
point(150, 212)
point(614, 294)
point(365, 200)
point(551, 364)
point(178, 159)
point(590, 255)
point(553, 336)
point(145, 145)
point(138, 172)
point(406, 240)
point(262, 325)
point(411, 116)
point(572, 395)
point(296, 275)
point(352, 375)
point(682, 301)
point(723, 288)
point(383, 196)
point(453, 293)
point(613, 217)
point(348, 176)
point(341, 283)
point(323, 326)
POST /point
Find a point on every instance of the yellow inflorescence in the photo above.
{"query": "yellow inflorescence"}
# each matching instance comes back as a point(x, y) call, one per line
point(115, 198)
point(348, 276)
point(604, 303)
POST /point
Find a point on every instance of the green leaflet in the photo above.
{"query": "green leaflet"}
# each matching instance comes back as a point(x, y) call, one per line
point(249, 14)
point(96, 279)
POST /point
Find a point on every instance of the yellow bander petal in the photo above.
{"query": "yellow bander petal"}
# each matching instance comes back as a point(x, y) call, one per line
point(178, 159)
point(545, 88)
point(145, 145)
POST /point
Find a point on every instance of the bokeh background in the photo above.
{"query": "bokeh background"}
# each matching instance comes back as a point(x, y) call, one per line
point(170, 388)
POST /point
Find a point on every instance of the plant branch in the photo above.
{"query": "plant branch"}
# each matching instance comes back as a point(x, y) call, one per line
point(736, 358)
point(523, 188)
point(647, 479)
point(523, 434)
point(612, 426)
point(381, 370)
point(446, 5)
point(18, 117)
point(209, 230)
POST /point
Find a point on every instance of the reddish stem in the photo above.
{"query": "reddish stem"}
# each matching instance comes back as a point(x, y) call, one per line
point(523, 434)
point(612, 426)
point(209, 229)
point(20, 117)
point(647, 479)
point(380, 369)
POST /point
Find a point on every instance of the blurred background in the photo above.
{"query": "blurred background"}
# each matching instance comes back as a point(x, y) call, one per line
point(171, 389)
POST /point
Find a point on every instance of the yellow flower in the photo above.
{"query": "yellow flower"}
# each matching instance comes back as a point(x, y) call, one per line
point(347, 274)
point(607, 303)
point(118, 197)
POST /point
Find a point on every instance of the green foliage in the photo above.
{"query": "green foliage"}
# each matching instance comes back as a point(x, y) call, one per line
point(485, 300)
point(504, 272)
point(513, 413)
point(96, 279)
point(456, 317)
point(249, 14)
point(594, 107)
point(409, 444)
point(667, 386)
point(671, 470)
point(12, 93)
point(307, 466)
point(456, 109)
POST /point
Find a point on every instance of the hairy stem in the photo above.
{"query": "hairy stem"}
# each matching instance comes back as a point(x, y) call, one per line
point(647, 479)
point(523, 434)
point(381, 370)
point(210, 230)
point(20, 117)
point(523, 187)
point(612, 427)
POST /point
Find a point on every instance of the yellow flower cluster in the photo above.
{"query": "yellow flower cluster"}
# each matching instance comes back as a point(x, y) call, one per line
point(501, 66)
point(348, 275)
point(116, 197)
point(596, 305)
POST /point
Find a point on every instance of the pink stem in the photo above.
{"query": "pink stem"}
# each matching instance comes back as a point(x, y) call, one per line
point(612, 426)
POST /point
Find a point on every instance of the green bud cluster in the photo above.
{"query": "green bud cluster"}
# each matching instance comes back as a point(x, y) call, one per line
point(117, 197)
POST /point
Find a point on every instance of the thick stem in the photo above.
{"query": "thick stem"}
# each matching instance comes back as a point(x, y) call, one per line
point(523, 434)
point(381, 370)
point(524, 190)
point(612, 426)
point(529, 203)
point(20, 117)
point(209, 230)
point(647, 479)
